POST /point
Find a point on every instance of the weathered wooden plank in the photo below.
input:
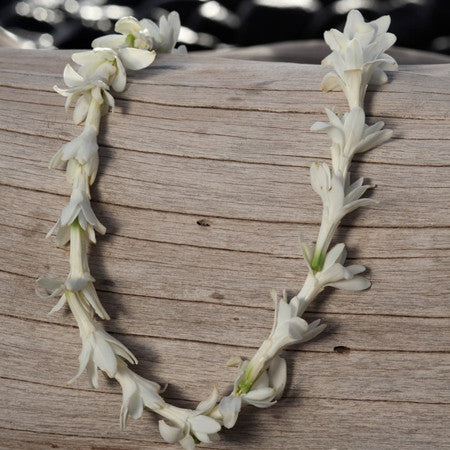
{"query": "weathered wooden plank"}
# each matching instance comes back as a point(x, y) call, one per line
point(210, 72)
point(246, 191)
point(19, 439)
point(178, 272)
point(255, 130)
point(205, 322)
point(353, 374)
point(227, 142)
point(280, 239)
point(361, 424)
point(312, 51)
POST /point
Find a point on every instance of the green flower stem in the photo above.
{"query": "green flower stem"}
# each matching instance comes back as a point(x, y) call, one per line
point(269, 349)
point(326, 233)
point(129, 41)
point(256, 366)
point(318, 259)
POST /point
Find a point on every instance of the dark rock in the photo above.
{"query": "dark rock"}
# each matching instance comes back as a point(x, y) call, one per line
point(28, 23)
point(266, 21)
point(441, 45)
point(213, 18)
point(334, 16)
point(74, 34)
point(440, 17)
point(411, 22)
point(232, 5)
point(184, 8)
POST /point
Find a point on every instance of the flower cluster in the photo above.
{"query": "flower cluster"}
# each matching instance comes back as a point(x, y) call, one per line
point(333, 272)
point(350, 135)
point(99, 349)
point(89, 87)
point(190, 426)
point(264, 392)
point(358, 56)
point(100, 69)
point(358, 59)
point(137, 392)
point(145, 34)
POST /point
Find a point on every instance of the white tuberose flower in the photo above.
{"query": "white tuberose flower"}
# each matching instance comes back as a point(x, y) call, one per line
point(83, 288)
point(351, 135)
point(337, 201)
point(100, 351)
point(164, 37)
point(144, 34)
point(288, 328)
point(78, 87)
point(79, 208)
point(84, 149)
point(109, 65)
point(187, 424)
point(137, 393)
point(334, 274)
point(266, 390)
point(358, 56)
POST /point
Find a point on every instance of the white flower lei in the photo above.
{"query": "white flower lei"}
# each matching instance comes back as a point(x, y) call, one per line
point(358, 59)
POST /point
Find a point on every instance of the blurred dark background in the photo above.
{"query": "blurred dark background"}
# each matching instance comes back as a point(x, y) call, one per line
point(212, 24)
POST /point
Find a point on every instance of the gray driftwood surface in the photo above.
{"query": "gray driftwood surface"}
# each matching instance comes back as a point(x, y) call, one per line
point(204, 188)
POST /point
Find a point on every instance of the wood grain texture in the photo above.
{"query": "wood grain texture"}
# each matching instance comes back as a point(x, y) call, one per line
point(313, 51)
point(204, 189)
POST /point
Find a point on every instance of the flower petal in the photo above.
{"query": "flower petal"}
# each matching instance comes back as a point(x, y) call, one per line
point(87, 144)
point(354, 19)
point(71, 211)
point(136, 59)
point(92, 373)
point(319, 126)
point(127, 25)
point(261, 398)
point(278, 375)
point(109, 41)
point(354, 127)
point(230, 407)
point(373, 140)
point(83, 358)
point(334, 255)
point(204, 424)
point(135, 406)
point(357, 283)
point(187, 442)
point(314, 329)
point(61, 302)
point(296, 327)
point(104, 355)
point(81, 109)
point(320, 178)
point(71, 76)
point(50, 288)
point(210, 402)
point(89, 294)
point(120, 79)
point(169, 433)
point(262, 382)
